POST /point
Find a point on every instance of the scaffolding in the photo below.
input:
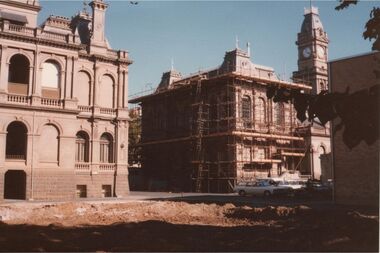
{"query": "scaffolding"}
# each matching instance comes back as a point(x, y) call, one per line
point(227, 146)
point(244, 133)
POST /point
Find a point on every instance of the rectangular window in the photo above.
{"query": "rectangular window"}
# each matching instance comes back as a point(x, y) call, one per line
point(107, 191)
point(82, 191)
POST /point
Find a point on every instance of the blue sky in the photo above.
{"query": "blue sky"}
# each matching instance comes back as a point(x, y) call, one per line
point(196, 34)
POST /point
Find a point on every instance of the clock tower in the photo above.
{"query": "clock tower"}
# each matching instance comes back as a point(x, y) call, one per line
point(312, 45)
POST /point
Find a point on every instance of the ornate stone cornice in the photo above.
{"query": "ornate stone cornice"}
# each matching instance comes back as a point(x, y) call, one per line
point(22, 5)
point(40, 41)
point(102, 58)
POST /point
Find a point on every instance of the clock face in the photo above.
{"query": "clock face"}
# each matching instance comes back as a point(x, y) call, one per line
point(306, 52)
point(320, 52)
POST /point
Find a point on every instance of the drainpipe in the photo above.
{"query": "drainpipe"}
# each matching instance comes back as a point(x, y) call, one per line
point(32, 160)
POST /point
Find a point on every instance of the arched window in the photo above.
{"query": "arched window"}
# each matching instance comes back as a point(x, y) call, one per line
point(106, 90)
point(106, 148)
point(246, 111)
point(260, 111)
point(82, 88)
point(278, 114)
point(50, 81)
point(321, 150)
point(16, 141)
point(82, 147)
point(18, 76)
point(49, 144)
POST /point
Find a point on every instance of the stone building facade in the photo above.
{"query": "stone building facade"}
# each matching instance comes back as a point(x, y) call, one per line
point(312, 44)
point(63, 105)
point(212, 129)
point(207, 131)
point(356, 171)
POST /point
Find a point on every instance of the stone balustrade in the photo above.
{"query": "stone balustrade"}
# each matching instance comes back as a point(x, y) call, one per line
point(107, 167)
point(51, 102)
point(85, 108)
point(14, 157)
point(38, 33)
point(82, 166)
point(18, 99)
point(109, 111)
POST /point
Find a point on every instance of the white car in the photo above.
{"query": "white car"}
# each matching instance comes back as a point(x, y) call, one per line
point(294, 184)
point(261, 188)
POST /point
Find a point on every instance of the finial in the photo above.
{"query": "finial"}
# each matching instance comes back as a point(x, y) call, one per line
point(237, 42)
point(249, 49)
point(85, 7)
point(172, 64)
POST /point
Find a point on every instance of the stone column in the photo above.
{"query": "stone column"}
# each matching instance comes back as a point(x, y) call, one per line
point(36, 88)
point(62, 84)
point(3, 138)
point(37, 74)
point(120, 94)
point(4, 67)
point(31, 80)
point(69, 75)
point(95, 146)
point(121, 187)
point(96, 86)
point(115, 95)
point(125, 87)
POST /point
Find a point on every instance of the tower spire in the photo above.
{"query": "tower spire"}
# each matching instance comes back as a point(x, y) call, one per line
point(85, 7)
point(236, 42)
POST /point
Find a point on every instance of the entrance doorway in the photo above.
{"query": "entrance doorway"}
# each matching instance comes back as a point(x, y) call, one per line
point(15, 184)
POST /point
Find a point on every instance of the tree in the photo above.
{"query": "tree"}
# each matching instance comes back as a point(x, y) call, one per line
point(134, 137)
point(372, 27)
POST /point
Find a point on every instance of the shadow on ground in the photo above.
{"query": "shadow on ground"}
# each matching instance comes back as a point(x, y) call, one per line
point(303, 231)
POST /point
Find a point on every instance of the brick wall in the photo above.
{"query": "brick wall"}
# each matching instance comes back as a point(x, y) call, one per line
point(356, 171)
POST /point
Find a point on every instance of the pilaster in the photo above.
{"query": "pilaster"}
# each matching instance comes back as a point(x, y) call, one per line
point(4, 67)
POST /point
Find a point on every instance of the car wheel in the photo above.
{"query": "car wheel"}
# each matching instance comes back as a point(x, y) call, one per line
point(242, 193)
point(267, 194)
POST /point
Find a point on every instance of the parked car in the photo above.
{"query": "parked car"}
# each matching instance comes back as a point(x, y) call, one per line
point(261, 188)
point(316, 188)
point(298, 187)
point(294, 184)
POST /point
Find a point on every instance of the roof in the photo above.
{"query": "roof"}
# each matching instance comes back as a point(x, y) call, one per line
point(236, 64)
point(13, 17)
point(311, 21)
point(354, 56)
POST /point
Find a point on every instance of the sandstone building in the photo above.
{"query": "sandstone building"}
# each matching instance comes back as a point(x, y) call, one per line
point(312, 43)
point(209, 130)
point(63, 105)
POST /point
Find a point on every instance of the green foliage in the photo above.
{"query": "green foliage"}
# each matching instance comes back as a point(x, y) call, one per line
point(373, 28)
point(134, 138)
point(345, 3)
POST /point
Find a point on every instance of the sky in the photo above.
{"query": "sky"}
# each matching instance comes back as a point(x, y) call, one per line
point(196, 34)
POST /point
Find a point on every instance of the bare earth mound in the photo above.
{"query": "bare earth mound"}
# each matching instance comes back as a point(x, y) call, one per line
point(180, 226)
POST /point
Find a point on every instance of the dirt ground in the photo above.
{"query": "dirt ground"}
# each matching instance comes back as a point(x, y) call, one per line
point(181, 226)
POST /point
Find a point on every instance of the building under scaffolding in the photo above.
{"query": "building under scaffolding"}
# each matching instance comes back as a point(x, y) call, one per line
point(207, 131)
